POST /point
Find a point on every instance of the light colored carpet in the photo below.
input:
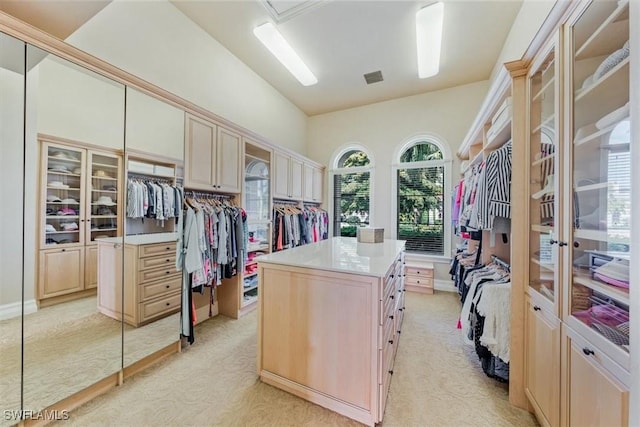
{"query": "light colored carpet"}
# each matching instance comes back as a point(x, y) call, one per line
point(68, 347)
point(436, 382)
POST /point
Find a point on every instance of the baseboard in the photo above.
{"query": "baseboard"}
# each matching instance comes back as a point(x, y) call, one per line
point(444, 285)
point(14, 309)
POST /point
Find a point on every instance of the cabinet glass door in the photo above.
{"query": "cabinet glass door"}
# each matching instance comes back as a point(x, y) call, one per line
point(601, 199)
point(63, 195)
point(103, 175)
point(543, 185)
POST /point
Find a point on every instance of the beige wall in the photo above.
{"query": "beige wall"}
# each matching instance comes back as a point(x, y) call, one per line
point(156, 42)
point(384, 126)
point(11, 102)
point(530, 18)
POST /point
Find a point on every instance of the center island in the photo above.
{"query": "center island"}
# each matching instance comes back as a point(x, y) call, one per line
point(329, 319)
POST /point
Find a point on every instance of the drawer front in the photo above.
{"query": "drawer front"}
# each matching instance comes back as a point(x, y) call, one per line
point(152, 309)
point(418, 271)
point(419, 281)
point(162, 287)
point(158, 249)
point(148, 275)
point(157, 261)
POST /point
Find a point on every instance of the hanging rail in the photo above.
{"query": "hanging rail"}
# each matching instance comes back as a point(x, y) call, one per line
point(285, 202)
point(500, 262)
point(203, 195)
point(143, 177)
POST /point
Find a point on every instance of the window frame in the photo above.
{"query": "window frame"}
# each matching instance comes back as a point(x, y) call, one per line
point(447, 163)
point(336, 170)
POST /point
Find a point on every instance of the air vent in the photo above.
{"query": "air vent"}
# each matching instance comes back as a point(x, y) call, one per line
point(373, 77)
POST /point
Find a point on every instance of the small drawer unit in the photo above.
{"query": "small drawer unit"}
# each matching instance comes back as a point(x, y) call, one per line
point(419, 277)
point(152, 285)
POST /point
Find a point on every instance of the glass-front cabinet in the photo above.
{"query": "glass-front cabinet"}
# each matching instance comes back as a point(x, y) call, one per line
point(544, 167)
point(600, 176)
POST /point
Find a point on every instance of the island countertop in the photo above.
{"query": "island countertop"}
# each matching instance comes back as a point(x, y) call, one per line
point(141, 239)
point(341, 254)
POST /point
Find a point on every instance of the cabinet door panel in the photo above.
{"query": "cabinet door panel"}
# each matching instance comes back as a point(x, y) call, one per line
point(61, 272)
point(543, 364)
point(318, 178)
point(200, 154)
point(91, 267)
point(228, 161)
point(295, 186)
point(281, 176)
point(307, 193)
point(596, 398)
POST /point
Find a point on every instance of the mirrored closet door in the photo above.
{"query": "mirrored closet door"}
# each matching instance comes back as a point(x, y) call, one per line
point(12, 76)
point(73, 198)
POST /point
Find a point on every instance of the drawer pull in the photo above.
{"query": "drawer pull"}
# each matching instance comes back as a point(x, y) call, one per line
point(391, 276)
point(417, 281)
point(588, 351)
point(392, 297)
point(168, 249)
point(390, 341)
point(400, 309)
point(391, 317)
point(399, 332)
point(391, 371)
point(168, 260)
point(168, 304)
point(168, 272)
point(168, 286)
point(536, 308)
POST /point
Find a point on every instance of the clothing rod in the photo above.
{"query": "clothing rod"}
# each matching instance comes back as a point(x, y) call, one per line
point(285, 202)
point(202, 195)
point(500, 262)
point(141, 176)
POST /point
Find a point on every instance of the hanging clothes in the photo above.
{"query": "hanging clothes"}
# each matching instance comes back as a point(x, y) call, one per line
point(149, 198)
point(294, 226)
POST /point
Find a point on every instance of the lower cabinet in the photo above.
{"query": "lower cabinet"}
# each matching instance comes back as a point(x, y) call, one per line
point(61, 272)
point(91, 267)
point(596, 397)
point(542, 353)
point(419, 277)
point(152, 285)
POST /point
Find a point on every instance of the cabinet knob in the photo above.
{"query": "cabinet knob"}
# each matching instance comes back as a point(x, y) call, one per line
point(576, 244)
point(168, 303)
point(563, 244)
point(168, 272)
point(588, 351)
point(400, 309)
point(391, 317)
point(417, 272)
point(391, 276)
point(417, 281)
point(168, 249)
point(552, 242)
point(64, 250)
point(168, 286)
point(391, 371)
point(168, 260)
point(390, 341)
point(398, 332)
point(536, 308)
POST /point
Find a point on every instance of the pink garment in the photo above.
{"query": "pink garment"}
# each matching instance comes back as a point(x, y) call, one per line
point(611, 281)
point(603, 314)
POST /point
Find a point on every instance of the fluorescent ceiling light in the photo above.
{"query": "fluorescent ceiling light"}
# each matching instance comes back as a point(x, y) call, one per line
point(278, 46)
point(429, 38)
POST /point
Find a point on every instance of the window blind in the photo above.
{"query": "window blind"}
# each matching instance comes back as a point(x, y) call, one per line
point(420, 207)
point(350, 202)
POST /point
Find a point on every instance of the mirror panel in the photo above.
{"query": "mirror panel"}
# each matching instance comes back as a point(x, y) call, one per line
point(152, 286)
point(73, 191)
point(12, 76)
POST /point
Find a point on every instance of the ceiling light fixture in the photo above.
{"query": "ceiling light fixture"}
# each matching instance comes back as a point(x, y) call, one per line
point(278, 46)
point(429, 39)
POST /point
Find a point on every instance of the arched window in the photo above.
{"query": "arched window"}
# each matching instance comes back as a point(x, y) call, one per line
point(351, 191)
point(422, 195)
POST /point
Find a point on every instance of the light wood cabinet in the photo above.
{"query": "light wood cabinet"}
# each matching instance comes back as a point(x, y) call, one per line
point(80, 200)
point(542, 353)
point(419, 277)
point(312, 182)
point(288, 177)
point(212, 157)
point(331, 337)
point(596, 397)
point(151, 282)
point(61, 271)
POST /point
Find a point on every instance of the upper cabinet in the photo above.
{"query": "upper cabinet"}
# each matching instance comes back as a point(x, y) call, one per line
point(312, 183)
point(600, 200)
point(544, 162)
point(212, 157)
point(288, 177)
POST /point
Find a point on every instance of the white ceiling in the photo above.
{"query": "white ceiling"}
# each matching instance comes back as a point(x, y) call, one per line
point(340, 40)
